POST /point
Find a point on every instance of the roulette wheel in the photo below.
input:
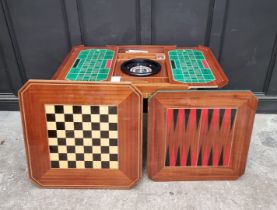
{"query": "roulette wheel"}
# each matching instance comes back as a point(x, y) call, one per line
point(141, 67)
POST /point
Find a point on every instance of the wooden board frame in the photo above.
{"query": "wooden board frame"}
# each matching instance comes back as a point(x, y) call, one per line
point(35, 94)
point(220, 78)
point(245, 104)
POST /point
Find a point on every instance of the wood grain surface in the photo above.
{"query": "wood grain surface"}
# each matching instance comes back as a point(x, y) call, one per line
point(33, 97)
point(199, 135)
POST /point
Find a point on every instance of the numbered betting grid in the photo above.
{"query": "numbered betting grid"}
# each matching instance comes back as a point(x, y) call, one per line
point(91, 65)
point(190, 66)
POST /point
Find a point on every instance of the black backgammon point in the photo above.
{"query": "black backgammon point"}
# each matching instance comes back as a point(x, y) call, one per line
point(140, 67)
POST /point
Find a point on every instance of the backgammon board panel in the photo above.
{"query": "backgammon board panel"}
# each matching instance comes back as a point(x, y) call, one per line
point(82, 135)
point(197, 135)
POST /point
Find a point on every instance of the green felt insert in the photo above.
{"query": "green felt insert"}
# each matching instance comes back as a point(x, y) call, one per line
point(91, 65)
point(190, 66)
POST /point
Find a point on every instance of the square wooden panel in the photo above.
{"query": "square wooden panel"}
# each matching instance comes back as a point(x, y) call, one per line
point(82, 135)
point(197, 135)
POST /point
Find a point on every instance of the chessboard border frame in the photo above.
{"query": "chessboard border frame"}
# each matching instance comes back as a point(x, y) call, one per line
point(245, 103)
point(36, 93)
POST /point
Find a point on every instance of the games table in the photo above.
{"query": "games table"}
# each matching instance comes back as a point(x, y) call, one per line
point(83, 128)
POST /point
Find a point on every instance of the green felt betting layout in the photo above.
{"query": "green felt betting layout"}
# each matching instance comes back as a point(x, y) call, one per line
point(190, 66)
point(91, 65)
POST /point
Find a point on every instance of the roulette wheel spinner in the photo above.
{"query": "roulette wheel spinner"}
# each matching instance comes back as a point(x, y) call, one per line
point(140, 67)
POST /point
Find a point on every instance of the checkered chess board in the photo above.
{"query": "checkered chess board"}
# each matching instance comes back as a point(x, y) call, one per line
point(91, 65)
point(82, 136)
point(190, 66)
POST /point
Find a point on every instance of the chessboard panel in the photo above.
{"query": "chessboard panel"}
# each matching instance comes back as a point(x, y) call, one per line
point(190, 66)
point(82, 136)
point(91, 65)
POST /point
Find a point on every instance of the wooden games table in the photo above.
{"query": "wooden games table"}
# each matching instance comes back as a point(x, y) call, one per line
point(83, 128)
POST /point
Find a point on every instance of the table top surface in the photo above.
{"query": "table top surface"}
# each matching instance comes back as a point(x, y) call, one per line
point(187, 66)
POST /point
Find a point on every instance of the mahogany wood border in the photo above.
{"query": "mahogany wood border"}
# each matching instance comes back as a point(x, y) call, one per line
point(245, 103)
point(36, 93)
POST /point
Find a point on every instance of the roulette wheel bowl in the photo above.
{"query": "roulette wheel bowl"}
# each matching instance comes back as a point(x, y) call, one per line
point(141, 67)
